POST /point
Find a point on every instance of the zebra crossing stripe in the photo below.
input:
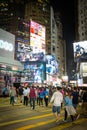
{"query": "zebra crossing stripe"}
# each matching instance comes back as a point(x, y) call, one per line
point(26, 119)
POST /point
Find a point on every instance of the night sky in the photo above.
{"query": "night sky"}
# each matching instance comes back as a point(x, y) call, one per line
point(67, 10)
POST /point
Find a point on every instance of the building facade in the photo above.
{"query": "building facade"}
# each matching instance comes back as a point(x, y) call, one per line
point(19, 14)
point(81, 38)
point(82, 20)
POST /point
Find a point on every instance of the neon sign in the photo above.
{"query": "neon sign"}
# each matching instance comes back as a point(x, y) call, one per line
point(6, 46)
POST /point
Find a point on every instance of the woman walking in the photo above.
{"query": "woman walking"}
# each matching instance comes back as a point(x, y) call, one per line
point(69, 109)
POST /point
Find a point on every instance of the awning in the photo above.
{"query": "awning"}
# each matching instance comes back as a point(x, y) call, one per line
point(10, 62)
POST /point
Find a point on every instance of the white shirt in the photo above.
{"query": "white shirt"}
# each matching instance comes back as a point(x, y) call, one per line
point(26, 92)
point(57, 98)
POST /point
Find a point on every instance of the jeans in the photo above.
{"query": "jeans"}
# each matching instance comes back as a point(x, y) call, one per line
point(32, 103)
point(12, 100)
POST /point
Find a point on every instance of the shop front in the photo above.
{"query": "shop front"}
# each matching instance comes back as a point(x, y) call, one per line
point(9, 67)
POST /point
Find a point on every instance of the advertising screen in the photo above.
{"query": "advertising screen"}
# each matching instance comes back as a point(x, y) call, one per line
point(25, 53)
point(37, 37)
point(35, 71)
point(7, 42)
point(51, 65)
point(80, 50)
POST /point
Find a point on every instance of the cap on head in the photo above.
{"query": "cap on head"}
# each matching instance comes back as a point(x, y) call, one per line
point(58, 87)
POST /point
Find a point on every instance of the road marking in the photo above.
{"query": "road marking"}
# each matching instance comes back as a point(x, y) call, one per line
point(27, 111)
point(26, 119)
point(67, 125)
point(59, 127)
point(35, 125)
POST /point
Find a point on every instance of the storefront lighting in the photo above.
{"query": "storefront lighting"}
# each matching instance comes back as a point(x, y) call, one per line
point(6, 46)
point(14, 68)
point(65, 78)
point(3, 66)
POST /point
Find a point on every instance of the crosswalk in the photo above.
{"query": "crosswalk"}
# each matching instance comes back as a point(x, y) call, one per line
point(19, 117)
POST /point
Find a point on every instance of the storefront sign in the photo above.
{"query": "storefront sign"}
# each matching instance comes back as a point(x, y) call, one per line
point(6, 46)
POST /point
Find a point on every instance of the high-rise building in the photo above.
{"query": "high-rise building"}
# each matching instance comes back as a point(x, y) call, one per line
point(15, 17)
point(39, 11)
point(61, 46)
point(10, 11)
point(82, 20)
point(12, 20)
point(81, 38)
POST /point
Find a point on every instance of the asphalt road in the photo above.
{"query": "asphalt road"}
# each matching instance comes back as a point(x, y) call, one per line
point(20, 117)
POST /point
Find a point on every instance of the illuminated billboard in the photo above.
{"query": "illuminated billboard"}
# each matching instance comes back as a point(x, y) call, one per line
point(7, 42)
point(51, 65)
point(35, 71)
point(25, 53)
point(37, 37)
point(80, 50)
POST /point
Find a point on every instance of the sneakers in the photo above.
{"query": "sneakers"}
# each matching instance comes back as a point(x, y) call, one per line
point(31, 108)
point(64, 120)
point(78, 116)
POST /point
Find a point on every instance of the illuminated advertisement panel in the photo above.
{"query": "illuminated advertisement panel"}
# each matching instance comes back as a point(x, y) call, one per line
point(80, 50)
point(25, 53)
point(51, 65)
point(37, 37)
point(7, 42)
point(35, 71)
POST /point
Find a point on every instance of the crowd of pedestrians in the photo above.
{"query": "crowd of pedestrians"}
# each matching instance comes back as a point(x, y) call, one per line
point(66, 98)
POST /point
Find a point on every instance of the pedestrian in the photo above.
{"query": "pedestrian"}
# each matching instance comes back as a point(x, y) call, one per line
point(12, 95)
point(69, 109)
point(75, 97)
point(41, 96)
point(32, 96)
point(57, 99)
point(46, 96)
point(5, 91)
point(84, 103)
point(37, 95)
point(25, 94)
point(20, 93)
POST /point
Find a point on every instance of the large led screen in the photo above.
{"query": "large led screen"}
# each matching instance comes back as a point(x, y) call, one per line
point(7, 42)
point(25, 53)
point(51, 65)
point(80, 50)
point(37, 37)
point(35, 71)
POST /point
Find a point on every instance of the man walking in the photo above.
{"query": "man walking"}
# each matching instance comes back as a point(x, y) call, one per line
point(32, 95)
point(57, 99)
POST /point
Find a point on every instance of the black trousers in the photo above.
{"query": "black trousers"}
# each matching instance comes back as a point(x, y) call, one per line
point(40, 101)
point(25, 100)
point(65, 116)
point(46, 101)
